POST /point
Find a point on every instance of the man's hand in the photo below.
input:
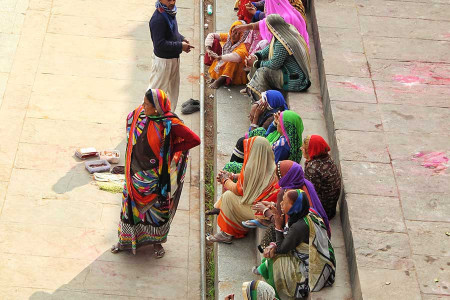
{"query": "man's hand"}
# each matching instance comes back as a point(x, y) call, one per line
point(186, 47)
point(229, 297)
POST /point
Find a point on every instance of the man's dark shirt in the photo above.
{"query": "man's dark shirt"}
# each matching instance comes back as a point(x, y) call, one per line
point(166, 44)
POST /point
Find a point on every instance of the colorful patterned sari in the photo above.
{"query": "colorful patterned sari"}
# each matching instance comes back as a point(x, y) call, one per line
point(153, 176)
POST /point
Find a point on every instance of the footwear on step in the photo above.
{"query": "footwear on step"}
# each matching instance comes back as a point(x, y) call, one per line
point(190, 109)
point(189, 102)
point(220, 237)
point(211, 212)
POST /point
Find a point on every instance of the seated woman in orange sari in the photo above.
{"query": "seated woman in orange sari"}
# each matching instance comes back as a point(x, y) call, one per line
point(228, 65)
point(257, 175)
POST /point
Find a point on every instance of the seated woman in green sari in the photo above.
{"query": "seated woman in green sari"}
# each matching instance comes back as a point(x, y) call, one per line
point(283, 65)
point(302, 259)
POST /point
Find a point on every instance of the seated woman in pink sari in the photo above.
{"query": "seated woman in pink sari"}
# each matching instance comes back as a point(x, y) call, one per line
point(286, 11)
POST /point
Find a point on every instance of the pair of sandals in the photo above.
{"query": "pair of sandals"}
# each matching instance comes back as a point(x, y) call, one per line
point(190, 107)
point(158, 253)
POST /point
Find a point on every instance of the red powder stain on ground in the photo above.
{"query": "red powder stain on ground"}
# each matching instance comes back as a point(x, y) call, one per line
point(193, 79)
point(447, 35)
point(429, 73)
point(408, 79)
point(441, 80)
point(437, 161)
point(353, 86)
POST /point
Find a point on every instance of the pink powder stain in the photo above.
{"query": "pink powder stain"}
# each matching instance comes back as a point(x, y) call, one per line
point(447, 35)
point(353, 86)
point(437, 161)
point(408, 79)
point(431, 73)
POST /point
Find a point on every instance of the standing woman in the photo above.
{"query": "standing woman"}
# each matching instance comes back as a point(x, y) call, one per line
point(155, 164)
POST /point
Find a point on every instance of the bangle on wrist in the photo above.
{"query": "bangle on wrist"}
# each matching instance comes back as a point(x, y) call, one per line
point(264, 211)
point(279, 230)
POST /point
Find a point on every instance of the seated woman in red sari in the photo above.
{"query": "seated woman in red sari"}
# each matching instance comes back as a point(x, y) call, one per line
point(321, 170)
point(257, 175)
point(155, 164)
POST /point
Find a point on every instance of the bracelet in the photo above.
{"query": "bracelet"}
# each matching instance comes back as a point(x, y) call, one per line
point(254, 125)
point(264, 211)
point(279, 230)
point(273, 244)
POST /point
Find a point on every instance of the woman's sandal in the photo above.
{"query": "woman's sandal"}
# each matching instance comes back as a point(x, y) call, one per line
point(253, 224)
point(255, 270)
point(220, 237)
point(159, 253)
point(115, 249)
point(211, 212)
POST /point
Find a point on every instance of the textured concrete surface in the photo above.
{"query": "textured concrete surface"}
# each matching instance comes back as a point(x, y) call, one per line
point(70, 71)
point(234, 262)
point(387, 98)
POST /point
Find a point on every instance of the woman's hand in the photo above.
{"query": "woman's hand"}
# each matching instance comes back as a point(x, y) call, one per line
point(279, 220)
point(259, 207)
point(241, 28)
point(229, 297)
point(269, 252)
point(276, 118)
point(224, 176)
point(251, 9)
point(260, 110)
point(250, 60)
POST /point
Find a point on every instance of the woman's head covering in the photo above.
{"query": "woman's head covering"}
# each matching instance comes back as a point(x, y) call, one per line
point(274, 99)
point(290, 16)
point(292, 39)
point(258, 290)
point(292, 127)
point(300, 206)
point(228, 47)
point(316, 146)
point(295, 179)
point(158, 98)
point(258, 169)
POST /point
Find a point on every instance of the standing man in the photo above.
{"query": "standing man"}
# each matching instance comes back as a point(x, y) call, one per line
point(168, 43)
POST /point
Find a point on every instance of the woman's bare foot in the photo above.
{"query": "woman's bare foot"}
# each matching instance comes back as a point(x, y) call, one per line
point(218, 83)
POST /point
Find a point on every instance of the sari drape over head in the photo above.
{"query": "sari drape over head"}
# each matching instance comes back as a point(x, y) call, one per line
point(292, 39)
point(294, 179)
point(292, 127)
point(289, 14)
point(257, 175)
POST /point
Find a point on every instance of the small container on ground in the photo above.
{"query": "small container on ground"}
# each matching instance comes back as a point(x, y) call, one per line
point(100, 165)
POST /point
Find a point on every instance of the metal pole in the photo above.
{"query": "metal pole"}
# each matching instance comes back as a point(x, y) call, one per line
point(202, 155)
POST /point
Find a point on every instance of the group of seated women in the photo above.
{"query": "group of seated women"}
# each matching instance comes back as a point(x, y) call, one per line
point(269, 50)
point(264, 184)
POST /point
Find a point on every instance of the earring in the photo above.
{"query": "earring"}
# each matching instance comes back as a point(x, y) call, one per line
point(156, 111)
